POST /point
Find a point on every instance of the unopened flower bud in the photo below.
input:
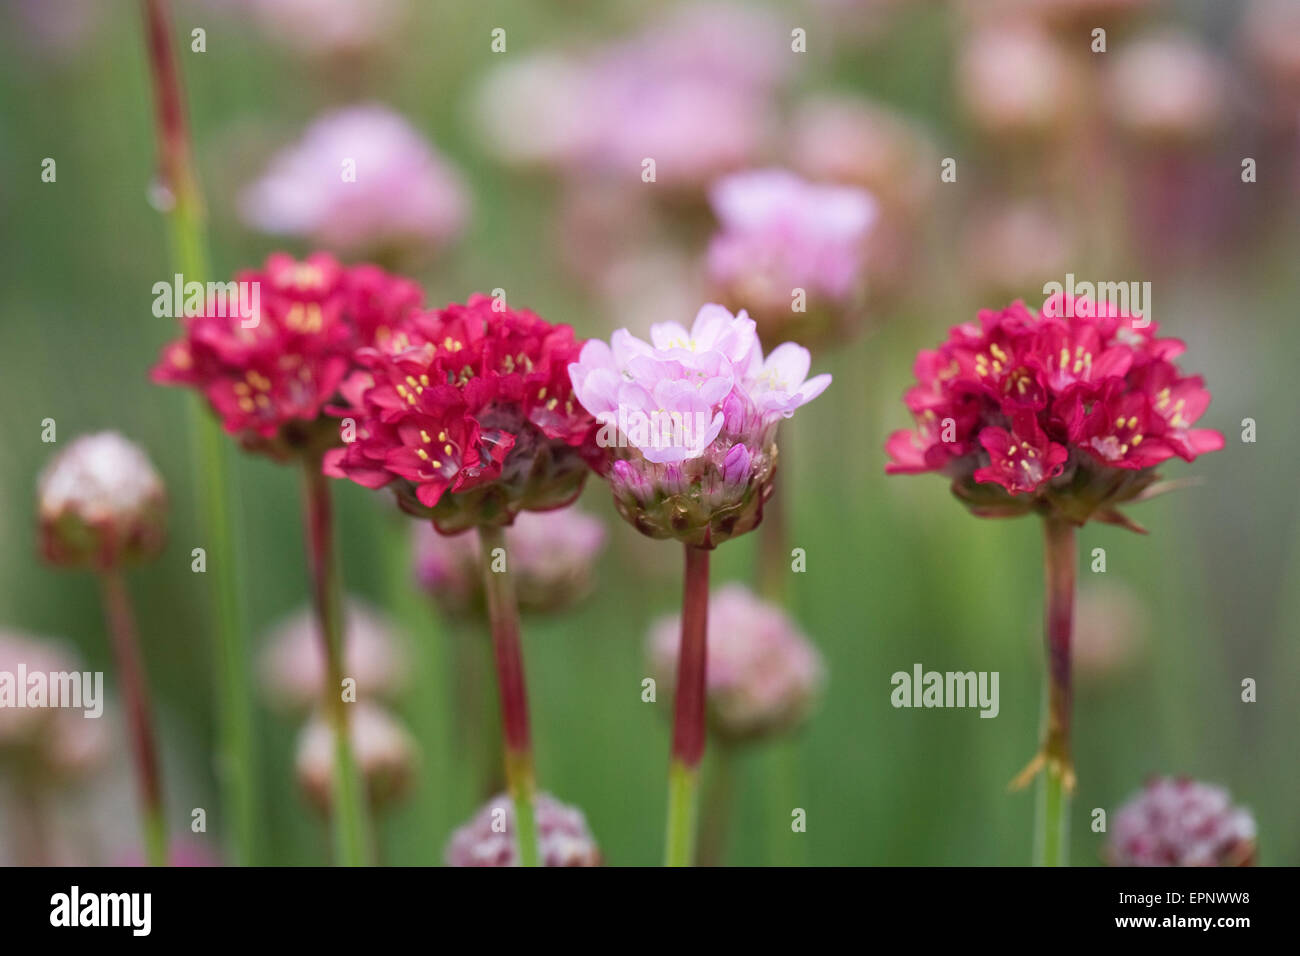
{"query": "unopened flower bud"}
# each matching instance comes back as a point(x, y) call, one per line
point(384, 751)
point(551, 555)
point(293, 664)
point(763, 674)
point(102, 504)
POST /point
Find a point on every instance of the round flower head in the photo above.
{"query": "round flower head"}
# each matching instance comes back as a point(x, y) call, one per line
point(403, 196)
point(688, 422)
point(269, 364)
point(489, 838)
point(1180, 822)
point(1168, 90)
point(384, 751)
point(101, 504)
point(327, 27)
point(791, 252)
point(293, 663)
point(467, 412)
point(1066, 412)
point(57, 743)
point(552, 554)
point(763, 674)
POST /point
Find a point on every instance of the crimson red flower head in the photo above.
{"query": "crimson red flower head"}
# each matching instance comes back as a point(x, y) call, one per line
point(273, 348)
point(469, 413)
point(1065, 411)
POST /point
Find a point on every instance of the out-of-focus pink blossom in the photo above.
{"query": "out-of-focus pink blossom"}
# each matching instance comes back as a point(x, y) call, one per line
point(101, 503)
point(384, 751)
point(691, 92)
point(763, 674)
point(1014, 80)
point(1168, 90)
point(1180, 822)
point(551, 558)
point(293, 662)
point(489, 839)
point(779, 234)
point(326, 27)
point(360, 180)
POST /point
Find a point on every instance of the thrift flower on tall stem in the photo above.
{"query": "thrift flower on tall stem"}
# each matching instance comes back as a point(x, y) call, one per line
point(468, 414)
point(179, 197)
point(688, 436)
point(268, 376)
point(1063, 413)
point(102, 506)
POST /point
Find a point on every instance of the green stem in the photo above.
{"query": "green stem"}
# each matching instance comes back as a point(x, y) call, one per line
point(218, 504)
point(689, 728)
point(347, 804)
point(716, 811)
point(503, 614)
point(683, 783)
point(139, 719)
point(1050, 846)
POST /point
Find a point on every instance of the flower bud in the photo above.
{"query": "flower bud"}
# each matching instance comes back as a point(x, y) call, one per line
point(763, 673)
point(489, 839)
point(101, 504)
point(384, 751)
point(293, 663)
point(550, 556)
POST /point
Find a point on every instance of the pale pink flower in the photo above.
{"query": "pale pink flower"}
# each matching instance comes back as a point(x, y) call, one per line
point(688, 421)
point(489, 839)
point(763, 673)
point(101, 503)
point(327, 27)
point(293, 662)
point(1168, 89)
point(1015, 80)
point(360, 180)
point(778, 233)
point(384, 751)
point(551, 557)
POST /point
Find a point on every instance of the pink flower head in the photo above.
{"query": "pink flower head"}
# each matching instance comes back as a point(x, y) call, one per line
point(327, 27)
point(1180, 822)
point(270, 373)
point(468, 413)
point(361, 181)
point(552, 559)
point(688, 421)
point(780, 234)
point(489, 839)
point(58, 742)
point(1067, 410)
point(763, 674)
point(693, 92)
point(293, 662)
